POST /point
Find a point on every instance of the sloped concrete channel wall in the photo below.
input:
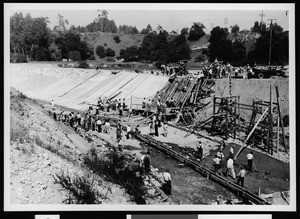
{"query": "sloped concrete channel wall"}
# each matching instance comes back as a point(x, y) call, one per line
point(76, 88)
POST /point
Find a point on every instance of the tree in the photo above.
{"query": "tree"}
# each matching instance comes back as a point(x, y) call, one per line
point(235, 28)
point(72, 42)
point(74, 55)
point(219, 46)
point(128, 29)
point(280, 47)
point(109, 52)
point(61, 27)
point(100, 51)
point(184, 31)
point(196, 31)
point(30, 36)
point(130, 54)
point(147, 30)
point(102, 14)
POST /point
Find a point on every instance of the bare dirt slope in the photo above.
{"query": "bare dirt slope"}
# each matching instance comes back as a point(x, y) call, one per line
point(41, 148)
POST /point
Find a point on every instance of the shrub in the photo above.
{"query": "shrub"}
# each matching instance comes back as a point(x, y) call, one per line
point(74, 55)
point(105, 44)
point(109, 52)
point(117, 39)
point(120, 169)
point(100, 51)
point(110, 59)
point(83, 189)
point(18, 58)
point(83, 64)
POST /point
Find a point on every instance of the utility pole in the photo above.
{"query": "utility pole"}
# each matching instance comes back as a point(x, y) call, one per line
point(270, 46)
point(262, 19)
point(225, 22)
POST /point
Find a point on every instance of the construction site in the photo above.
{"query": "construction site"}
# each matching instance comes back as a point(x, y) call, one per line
point(249, 115)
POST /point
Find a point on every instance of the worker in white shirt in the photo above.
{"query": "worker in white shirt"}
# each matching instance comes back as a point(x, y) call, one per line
point(217, 164)
point(120, 144)
point(167, 186)
point(250, 160)
point(241, 176)
point(52, 103)
point(231, 151)
point(230, 167)
point(128, 132)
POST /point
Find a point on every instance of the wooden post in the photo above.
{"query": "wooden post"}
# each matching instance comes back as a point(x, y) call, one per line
point(235, 100)
point(239, 117)
point(271, 123)
point(281, 121)
point(278, 127)
point(226, 132)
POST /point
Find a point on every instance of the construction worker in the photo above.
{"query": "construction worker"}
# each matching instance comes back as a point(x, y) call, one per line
point(99, 125)
point(137, 129)
point(250, 160)
point(124, 104)
point(144, 103)
point(230, 167)
point(221, 155)
point(128, 132)
point(217, 164)
point(167, 186)
point(241, 176)
point(52, 103)
point(199, 150)
point(120, 144)
point(165, 129)
point(231, 151)
point(146, 162)
point(156, 128)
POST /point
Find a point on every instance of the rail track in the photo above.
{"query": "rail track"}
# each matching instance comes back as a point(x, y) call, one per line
point(244, 193)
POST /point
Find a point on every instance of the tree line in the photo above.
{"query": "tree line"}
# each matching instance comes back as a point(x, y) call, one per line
point(32, 39)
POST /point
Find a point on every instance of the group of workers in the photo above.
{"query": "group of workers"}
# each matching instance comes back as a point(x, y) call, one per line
point(220, 70)
point(220, 157)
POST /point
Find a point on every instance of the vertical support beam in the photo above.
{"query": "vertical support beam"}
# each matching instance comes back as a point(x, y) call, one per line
point(271, 123)
point(281, 121)
point(226, 131)
point(235, 100)
point(278, 128)
point(239, 117)
point(131, 102)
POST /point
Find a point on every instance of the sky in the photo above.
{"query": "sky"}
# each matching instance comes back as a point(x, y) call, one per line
point(169, 16)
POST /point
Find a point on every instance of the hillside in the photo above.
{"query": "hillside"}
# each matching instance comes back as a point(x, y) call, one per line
point(127, 40)
point(42, 149)
point(97, 38)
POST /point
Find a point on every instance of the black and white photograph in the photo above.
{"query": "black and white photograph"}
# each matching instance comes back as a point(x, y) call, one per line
point(156, 107)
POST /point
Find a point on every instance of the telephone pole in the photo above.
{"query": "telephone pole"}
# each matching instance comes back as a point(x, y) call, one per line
point(262, 19)
point(270, 46)
point(225, 22)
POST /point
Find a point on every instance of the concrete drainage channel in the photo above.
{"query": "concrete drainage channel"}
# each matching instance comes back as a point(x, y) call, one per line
point(242, 192)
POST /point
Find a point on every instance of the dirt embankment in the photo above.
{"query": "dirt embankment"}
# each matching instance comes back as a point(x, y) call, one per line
point(40, 149)
point(256, 89)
